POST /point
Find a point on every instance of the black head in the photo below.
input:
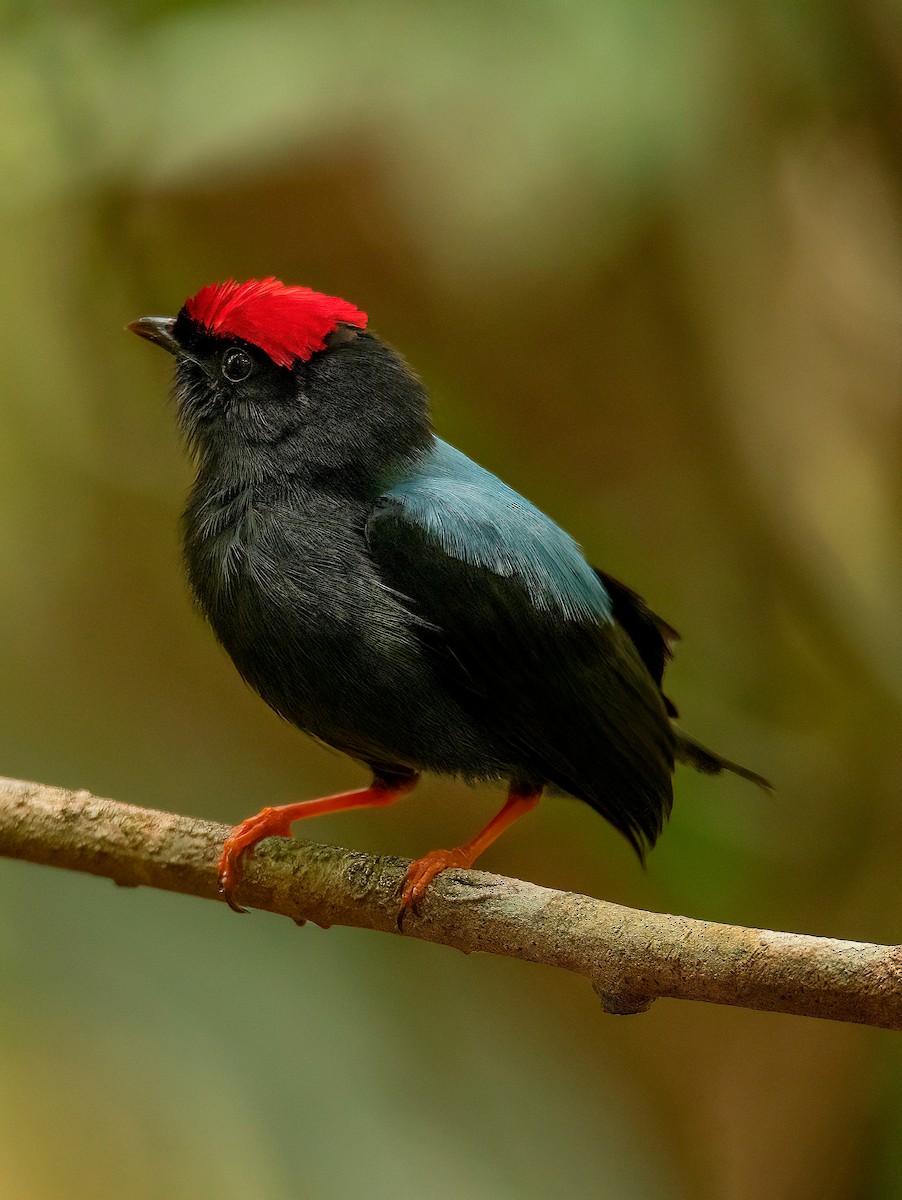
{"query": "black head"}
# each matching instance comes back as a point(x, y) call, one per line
point(275, 379)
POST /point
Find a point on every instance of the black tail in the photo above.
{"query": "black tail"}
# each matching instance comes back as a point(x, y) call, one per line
point(688, 750)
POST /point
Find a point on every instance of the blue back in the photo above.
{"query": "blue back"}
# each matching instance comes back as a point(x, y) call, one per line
point(479, 520)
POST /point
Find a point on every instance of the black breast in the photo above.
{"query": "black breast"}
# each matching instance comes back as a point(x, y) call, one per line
point(288, 585)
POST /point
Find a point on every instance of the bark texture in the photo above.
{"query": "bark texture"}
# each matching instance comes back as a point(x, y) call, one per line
point(631, 957)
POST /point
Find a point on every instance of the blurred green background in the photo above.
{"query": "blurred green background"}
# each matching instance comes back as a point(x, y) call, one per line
point(647, 255)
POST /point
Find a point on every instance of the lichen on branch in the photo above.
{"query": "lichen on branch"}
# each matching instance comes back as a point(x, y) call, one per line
point(631, 957)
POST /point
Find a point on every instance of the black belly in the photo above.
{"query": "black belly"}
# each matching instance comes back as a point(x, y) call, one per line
point(331, 649)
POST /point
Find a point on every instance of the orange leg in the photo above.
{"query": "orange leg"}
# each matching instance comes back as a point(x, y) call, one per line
point(421, 873)
point(276, 822)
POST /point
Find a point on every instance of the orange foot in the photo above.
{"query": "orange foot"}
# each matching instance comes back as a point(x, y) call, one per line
point(422, 872)
point(269, 822)
point(277, 822)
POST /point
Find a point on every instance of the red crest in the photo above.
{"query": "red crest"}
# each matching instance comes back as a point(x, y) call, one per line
point(284, 321)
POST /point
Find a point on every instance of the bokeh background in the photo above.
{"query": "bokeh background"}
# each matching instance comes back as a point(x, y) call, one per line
point(648, 258)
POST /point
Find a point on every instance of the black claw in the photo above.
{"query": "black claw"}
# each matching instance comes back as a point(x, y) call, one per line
point(230, 902)
point(413, 907)
point(399, 920)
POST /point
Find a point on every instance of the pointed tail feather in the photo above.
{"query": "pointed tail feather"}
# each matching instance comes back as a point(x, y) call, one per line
point(690, 751)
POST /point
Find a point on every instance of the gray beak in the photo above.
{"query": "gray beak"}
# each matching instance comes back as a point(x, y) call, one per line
point(157, 330)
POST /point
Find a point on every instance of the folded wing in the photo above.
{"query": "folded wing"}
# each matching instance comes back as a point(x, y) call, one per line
point(526, 636)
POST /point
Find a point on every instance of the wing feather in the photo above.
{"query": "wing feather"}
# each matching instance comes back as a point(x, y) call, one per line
point(522, 631)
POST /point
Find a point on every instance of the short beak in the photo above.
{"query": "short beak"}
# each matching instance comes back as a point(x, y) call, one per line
point(158, 330)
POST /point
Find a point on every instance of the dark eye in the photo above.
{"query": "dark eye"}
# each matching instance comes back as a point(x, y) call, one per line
point(236, 365)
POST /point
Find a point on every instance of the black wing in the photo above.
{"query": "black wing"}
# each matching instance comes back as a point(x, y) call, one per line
point(571, 697)
point(653, 638)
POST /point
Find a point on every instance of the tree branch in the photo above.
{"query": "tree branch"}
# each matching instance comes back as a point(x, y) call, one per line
point(631, 957)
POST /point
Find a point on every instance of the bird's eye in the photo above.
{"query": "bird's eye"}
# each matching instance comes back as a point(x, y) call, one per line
point(237, 364)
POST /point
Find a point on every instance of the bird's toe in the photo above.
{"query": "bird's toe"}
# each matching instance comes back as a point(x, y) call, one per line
point(422, 872)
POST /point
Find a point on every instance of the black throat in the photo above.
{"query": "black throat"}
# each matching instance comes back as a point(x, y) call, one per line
point(345, 422)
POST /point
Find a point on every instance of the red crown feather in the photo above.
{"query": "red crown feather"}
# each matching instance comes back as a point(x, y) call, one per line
point(286, 322)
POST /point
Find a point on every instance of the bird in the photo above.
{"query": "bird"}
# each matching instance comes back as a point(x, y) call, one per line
point(395, 600)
